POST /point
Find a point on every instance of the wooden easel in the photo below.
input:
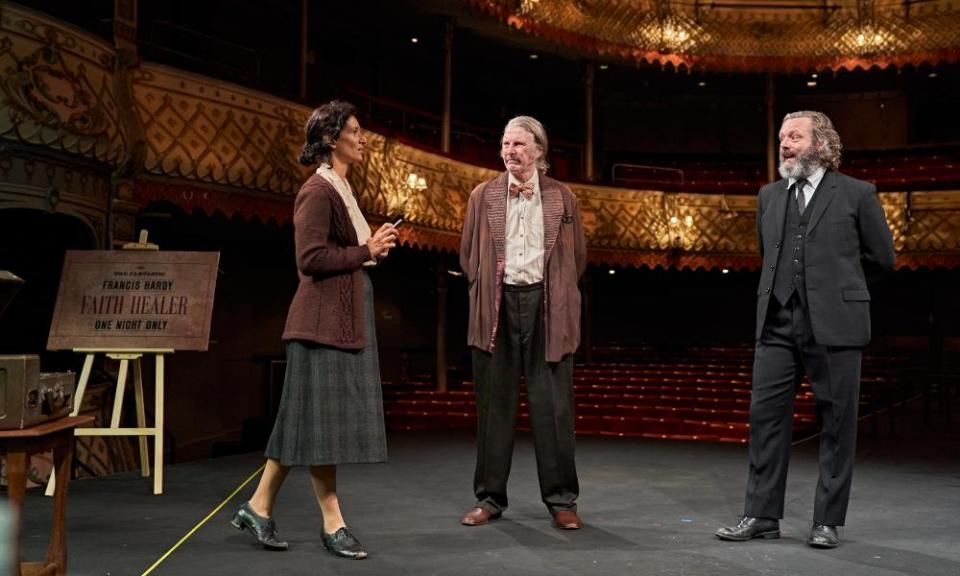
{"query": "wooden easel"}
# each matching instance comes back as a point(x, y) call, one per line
point(126, 356)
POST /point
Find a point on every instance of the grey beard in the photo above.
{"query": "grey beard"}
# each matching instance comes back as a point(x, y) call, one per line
point(806, 164)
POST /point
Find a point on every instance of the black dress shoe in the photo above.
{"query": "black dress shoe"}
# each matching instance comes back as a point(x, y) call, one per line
point(823, 536)
point(263, 529)
point(749, 528)
point(342, 543)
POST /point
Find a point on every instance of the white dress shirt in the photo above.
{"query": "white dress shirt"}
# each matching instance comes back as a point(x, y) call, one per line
point(524, 235)
point(812, 182)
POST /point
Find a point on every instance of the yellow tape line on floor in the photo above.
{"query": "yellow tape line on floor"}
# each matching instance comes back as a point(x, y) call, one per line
point(202, 522)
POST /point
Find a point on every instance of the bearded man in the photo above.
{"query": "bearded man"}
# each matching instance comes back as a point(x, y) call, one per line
point(821, 235)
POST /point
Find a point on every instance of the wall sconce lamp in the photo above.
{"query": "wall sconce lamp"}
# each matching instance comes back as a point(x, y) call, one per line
point(416, 183)
point(411, 186)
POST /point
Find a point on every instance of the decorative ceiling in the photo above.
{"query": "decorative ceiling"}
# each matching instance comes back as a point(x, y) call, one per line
point(754, 35)
point(200, 143)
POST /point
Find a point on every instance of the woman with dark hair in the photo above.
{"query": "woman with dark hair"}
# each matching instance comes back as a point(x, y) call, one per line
point(331, 409)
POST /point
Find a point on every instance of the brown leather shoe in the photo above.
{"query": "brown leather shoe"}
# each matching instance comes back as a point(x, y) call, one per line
point(478, 517)
point(567, 520)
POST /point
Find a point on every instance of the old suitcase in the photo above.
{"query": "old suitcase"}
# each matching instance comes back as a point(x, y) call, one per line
point(29, 397)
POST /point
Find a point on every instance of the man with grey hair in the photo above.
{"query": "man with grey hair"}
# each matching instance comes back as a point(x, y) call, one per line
point(822, 235)
point(523, 252)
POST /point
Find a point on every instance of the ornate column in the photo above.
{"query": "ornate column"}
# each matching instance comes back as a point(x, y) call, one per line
point(588, 114)
point(772, 142)
point(304, 48)
point(441, 272)
point(121, 209)
point(586, 322)
point(447, 85)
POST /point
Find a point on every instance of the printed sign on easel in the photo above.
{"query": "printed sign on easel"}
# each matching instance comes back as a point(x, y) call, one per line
point(134, 299)
point(127, 304)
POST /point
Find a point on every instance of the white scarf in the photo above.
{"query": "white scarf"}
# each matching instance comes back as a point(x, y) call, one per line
point(353, 209)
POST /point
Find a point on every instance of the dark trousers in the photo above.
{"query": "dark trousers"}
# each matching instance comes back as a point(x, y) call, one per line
point(785, 351)
point(520, 351)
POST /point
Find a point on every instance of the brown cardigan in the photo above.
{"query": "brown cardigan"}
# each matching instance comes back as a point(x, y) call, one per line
point(328, 307)
point(482, 248)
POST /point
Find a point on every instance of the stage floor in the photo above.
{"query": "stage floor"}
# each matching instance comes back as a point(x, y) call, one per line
point(650, 507)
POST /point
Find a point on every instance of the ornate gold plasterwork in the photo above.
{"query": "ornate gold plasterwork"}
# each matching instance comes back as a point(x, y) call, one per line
point(56, 87)
point(614, 218)
point(924, 221)
point(667, 221)
point(215, 146)
point(202, 129)
point(381, 184)
point(631, 227)
point(777, 35)
point(50, 185)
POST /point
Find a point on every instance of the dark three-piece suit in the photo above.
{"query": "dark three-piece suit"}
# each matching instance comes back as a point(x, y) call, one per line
point(813, 317)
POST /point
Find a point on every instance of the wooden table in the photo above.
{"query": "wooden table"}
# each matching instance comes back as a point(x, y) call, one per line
point(18, 445)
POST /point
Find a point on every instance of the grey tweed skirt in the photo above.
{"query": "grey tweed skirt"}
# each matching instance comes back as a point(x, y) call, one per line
point(331, 409)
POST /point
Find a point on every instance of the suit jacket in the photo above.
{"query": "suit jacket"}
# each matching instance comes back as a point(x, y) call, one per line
point(328, 307)
point(482, 249)
point(847, 241)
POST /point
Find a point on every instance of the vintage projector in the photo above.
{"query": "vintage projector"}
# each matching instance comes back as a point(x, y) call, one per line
point(28, 397)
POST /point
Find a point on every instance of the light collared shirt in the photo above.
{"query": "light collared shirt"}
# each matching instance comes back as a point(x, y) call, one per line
point(812, 182)
point(353, 209)
point(524, 235)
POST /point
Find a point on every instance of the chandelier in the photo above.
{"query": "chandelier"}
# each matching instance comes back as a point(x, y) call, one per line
point(667, 31)
point(869, 36)
point(771, 35)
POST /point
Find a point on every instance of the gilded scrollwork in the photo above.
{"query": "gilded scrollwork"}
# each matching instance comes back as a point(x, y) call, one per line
point(56, 88)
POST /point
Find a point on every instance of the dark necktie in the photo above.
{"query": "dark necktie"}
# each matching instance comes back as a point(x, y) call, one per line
point(801, 197)
point(525, 189)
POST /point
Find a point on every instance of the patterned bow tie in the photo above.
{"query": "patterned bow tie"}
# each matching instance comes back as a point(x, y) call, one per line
point(525, 189)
